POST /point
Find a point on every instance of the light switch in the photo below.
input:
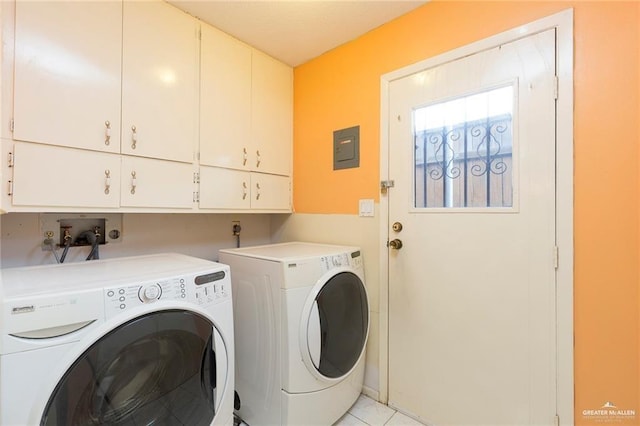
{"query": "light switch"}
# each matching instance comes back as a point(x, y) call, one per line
point(366, 208)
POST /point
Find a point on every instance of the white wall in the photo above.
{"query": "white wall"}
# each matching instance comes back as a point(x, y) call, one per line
point(200, 235)
point(349, 230)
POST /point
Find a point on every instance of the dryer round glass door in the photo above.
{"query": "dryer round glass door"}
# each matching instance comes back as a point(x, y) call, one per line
point(337, 326)
point(159, 368)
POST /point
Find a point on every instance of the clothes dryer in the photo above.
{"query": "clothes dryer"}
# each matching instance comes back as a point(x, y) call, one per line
point(301, 324)
point(129, 341)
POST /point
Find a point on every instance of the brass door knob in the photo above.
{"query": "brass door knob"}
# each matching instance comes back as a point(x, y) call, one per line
point(395, 244)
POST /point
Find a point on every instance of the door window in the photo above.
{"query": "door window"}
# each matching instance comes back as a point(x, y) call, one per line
point(344, 322)
point(463, 151)
point(155, 369)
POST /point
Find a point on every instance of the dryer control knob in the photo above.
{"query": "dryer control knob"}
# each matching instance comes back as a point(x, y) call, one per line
point(150, 293)
point(336, 261)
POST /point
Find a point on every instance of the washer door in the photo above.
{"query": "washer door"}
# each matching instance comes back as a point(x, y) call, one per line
point(335, 326)
point(158, 368)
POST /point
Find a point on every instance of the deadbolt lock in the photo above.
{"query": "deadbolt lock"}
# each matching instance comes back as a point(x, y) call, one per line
point(395, 244)
point(397, 226)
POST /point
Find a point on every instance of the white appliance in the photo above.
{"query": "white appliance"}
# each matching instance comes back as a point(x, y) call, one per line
point(136, 340)
point(301, 325)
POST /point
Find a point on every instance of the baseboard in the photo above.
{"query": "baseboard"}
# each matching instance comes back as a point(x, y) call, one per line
point(371, 393)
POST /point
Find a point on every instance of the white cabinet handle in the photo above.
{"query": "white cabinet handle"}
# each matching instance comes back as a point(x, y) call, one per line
point(133, 182)
point(107, 132)
point(258, 161)
point(244, 190)
point(107, 181)
point(244, 156)
point(134, 137)
point(257, 191)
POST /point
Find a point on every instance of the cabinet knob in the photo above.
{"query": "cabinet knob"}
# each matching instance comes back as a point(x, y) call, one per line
point(133, 183)
point(107, 181)
point(107, 132)
point(134, 137)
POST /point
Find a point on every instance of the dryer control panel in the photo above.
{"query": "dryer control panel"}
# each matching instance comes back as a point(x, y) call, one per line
point(353, 260)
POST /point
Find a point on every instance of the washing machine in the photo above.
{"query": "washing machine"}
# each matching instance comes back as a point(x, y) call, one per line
point(301, 325)
point(128, 341)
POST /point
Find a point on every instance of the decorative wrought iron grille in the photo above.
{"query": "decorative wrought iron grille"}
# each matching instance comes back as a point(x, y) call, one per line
point(468, 164)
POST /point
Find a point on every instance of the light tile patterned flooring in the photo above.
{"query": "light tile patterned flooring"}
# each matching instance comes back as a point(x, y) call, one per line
point(367, 411)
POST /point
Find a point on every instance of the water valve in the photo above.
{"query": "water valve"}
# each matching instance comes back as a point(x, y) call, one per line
point(236, 228)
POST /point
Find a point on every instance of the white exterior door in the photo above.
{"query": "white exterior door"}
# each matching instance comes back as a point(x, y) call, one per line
point(472, 327)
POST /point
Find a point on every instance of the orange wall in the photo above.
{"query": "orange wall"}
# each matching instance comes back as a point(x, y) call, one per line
point(342, 89)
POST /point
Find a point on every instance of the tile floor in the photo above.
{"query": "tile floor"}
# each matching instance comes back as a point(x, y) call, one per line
point(367, 411)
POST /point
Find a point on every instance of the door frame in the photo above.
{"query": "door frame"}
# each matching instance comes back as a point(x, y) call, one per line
point(563, 23)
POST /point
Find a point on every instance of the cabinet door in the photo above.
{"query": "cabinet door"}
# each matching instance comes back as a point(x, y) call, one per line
point(225, 100)
point(270, 192)
point(156, 183)
point(67, 73)
point(159, 81)
point(50, 176)
point(272, 115)
point(224, 189)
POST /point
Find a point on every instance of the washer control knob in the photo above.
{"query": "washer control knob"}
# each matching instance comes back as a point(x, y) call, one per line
point(150, 293)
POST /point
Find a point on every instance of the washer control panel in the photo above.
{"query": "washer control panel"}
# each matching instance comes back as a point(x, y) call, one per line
point(212, 288)
point(202, 289)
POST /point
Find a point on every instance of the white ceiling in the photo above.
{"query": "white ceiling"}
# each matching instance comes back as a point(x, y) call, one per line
point(295, 31)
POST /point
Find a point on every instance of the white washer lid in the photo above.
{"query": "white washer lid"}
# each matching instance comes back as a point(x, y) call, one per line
point(284, 252)
point(29, 280)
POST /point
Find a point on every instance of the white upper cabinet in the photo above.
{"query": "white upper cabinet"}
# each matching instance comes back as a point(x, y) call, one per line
point(225, 189)
point(137, 106)
point(225, 100)
point(159, 81)
point(270, 192)
point(155, 183)
point(271, 115)
point(246, 115)
point(67, 73)
point(61, 178)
